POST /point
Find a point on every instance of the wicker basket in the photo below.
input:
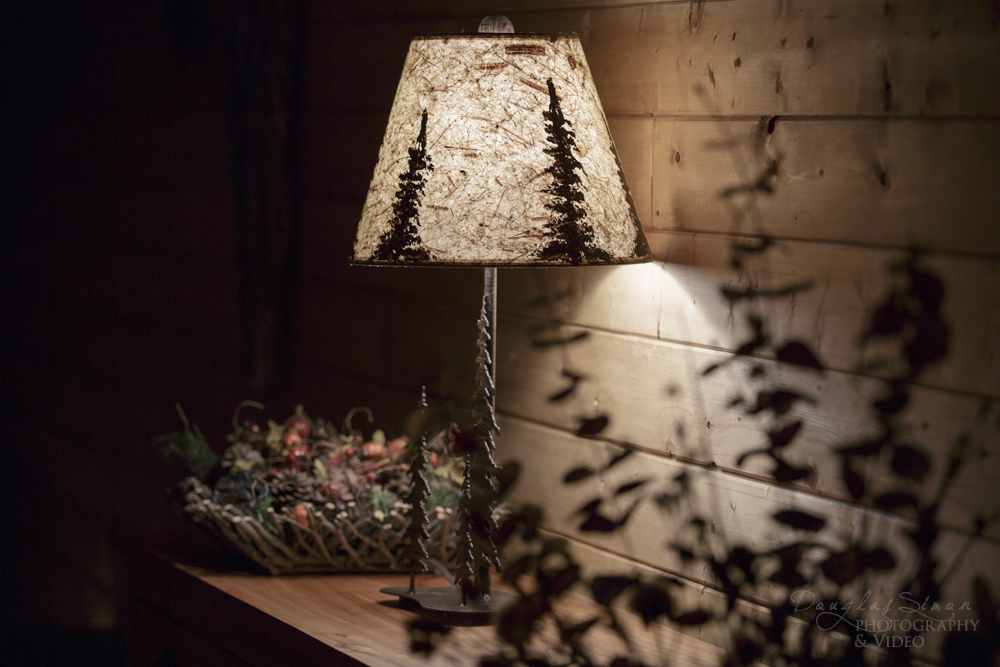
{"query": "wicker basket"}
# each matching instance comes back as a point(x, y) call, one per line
point(327, 541)
point(304, 497)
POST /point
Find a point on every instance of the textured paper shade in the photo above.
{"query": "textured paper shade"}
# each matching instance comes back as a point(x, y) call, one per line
point(497, 153)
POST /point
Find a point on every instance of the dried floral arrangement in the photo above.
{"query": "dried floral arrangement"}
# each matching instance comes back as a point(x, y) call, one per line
point(302, 496)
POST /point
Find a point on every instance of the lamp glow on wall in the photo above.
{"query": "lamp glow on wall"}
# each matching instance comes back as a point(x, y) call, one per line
point(497, 154)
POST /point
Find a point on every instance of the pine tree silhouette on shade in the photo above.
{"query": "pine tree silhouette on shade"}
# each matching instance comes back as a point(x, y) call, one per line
point(415, 537)
point(477, 554)
point(402, 240)
point(571, 235)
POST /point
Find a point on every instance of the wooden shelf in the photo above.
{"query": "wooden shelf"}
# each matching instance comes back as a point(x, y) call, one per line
point(204, 615)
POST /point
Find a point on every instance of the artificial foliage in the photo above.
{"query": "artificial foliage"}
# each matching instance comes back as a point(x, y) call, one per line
point(188, 450)
point(304, 496)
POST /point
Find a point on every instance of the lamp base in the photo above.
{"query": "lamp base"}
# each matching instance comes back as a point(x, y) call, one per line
point(444, 605)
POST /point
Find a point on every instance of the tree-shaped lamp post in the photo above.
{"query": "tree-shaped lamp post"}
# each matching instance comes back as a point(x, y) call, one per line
point(496, 154)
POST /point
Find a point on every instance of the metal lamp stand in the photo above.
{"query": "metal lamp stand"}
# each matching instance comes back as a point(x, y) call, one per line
point(452, 605)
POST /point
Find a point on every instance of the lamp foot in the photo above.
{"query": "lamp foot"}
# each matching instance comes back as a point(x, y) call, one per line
point(444, 605)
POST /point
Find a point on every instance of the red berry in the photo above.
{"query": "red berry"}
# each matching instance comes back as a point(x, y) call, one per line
point(300, 426)
point(296, 455)
point(349, 451)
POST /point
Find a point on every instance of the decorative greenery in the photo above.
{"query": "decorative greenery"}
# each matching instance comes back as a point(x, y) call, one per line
point(188, 450)
point(300, 496)
point(381, 500)
point(442, 495)
point(259, 512)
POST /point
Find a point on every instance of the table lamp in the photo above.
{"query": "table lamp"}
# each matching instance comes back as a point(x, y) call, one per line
point(496, 154)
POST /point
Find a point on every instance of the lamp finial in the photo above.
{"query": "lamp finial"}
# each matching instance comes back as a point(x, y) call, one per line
point(496, 23)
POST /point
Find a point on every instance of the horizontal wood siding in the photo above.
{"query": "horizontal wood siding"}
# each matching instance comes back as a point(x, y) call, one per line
point(658, 398)
point(838, 130)
point(681, 300)
point(737, 511)
point(847, 131)
point(722, 57)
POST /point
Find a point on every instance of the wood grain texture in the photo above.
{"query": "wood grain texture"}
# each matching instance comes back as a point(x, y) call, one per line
point(681, 300)
point(657, 397)
point(154, 638)
point(847, 284)
point(444, 9)
point(736, 512)
point(881, 121)
point(906, 183)
point(319, 619)
point(370, 331)
point(596, 561)
point(633, 139)
point(833, 57)
point(923, 184)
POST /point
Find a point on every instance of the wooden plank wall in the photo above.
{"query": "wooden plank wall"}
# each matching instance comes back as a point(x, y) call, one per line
point(846, 130)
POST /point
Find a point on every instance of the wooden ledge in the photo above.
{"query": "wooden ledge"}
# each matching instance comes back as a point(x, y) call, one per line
point(328, 620)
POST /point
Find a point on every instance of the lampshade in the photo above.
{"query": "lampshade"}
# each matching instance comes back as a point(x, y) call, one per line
point(497, 153)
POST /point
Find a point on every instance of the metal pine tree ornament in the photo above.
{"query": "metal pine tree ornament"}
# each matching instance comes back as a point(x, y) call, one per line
point(415, 538)
point(470, 599)
point(477, 553)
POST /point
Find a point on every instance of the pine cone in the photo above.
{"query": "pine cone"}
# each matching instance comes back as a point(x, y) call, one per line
point(241, 490)
point(290, 487)
point(243, 456)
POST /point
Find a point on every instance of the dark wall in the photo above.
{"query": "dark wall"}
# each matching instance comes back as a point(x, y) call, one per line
point(120, 273)
point(121, 280)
